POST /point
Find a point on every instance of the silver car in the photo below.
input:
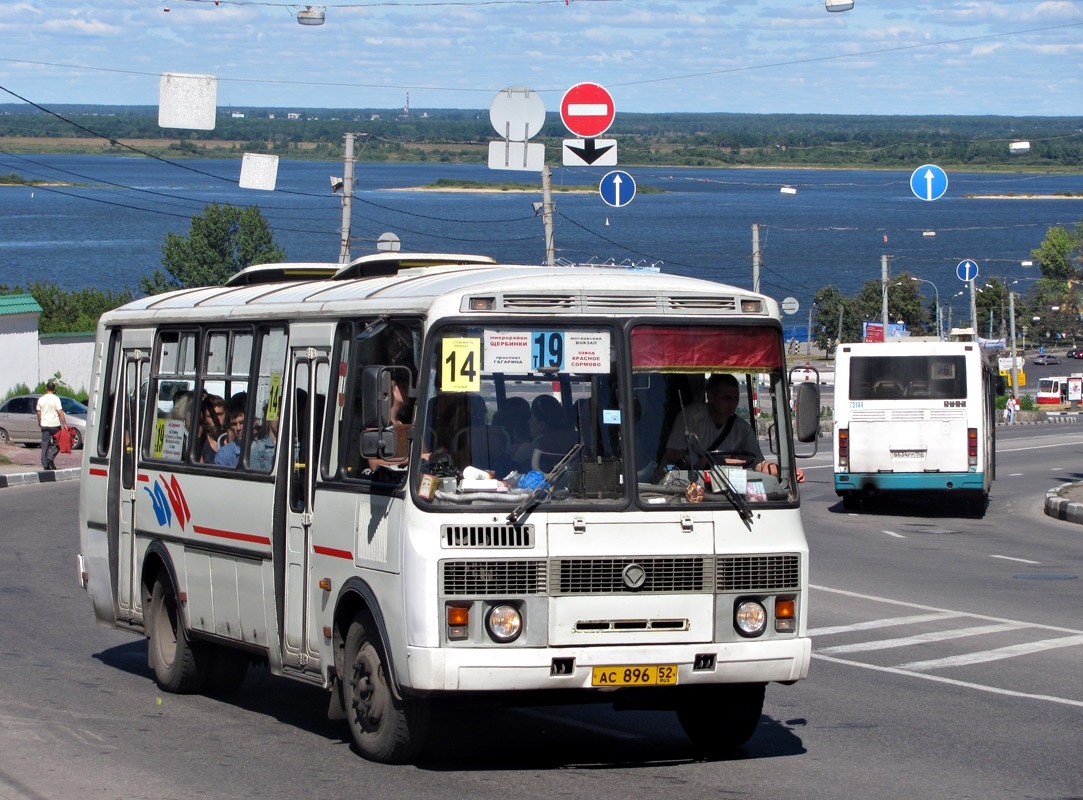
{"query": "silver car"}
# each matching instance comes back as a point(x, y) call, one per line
point(19, 420)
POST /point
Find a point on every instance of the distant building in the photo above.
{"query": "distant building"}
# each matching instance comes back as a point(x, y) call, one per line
point(270, 116)
point(18, 341)
point(292, 115)
point(237, 115)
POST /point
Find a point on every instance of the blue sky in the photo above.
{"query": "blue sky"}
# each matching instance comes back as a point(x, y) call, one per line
point(1008, 57)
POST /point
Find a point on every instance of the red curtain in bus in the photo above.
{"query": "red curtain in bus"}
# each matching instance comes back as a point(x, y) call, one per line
point(705, 349)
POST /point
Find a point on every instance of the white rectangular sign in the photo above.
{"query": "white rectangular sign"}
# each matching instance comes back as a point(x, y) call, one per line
point(187, 101)
point(516, 155)
point(590, 152)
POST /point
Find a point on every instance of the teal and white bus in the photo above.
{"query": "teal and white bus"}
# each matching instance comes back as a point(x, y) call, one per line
point(419, 478)
point(914, 416)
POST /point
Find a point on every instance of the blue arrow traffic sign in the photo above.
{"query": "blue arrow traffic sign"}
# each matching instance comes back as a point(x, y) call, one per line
point(929, 182)
point(967, 270)
point(617, 188)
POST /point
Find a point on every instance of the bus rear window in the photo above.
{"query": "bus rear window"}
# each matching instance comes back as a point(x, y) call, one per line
point(908, 378)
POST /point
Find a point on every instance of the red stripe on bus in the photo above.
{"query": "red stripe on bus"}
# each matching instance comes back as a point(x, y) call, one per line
point(241, 537)
point(102, 472)
point(330, 551)
point(144, 478)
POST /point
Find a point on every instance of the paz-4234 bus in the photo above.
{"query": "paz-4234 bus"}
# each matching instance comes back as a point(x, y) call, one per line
point(422, 478)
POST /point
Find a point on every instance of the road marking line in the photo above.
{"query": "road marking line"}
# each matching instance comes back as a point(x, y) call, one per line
point(1020, 560)
point(920, 607)
point(953, 682)
point(994, 655)
point(1038, 447)
point(892, 533)
point(921, 638)
point(884, 623)
point(1016, 475)
point(1056, 469)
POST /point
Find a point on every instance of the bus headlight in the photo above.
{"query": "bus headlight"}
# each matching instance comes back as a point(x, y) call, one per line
point(505, 623)
point(749, 618)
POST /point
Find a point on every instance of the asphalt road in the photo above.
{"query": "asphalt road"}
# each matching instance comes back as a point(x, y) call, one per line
point(946, 664)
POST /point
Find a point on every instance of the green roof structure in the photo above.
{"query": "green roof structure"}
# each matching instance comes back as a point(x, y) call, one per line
point(18, 304)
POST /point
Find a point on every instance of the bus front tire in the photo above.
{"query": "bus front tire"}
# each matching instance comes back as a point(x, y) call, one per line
point(720, 720)
point(178, 663)
point(384, 728)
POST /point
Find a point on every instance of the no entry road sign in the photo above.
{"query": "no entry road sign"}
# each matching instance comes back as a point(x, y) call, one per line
point(587, 110)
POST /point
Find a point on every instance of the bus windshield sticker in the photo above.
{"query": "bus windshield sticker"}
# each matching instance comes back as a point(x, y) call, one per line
point(611, 416)
point(460, 362)
point(275, 396)
point(522, 352)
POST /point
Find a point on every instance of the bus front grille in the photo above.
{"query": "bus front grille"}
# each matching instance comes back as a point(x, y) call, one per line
point(759, 573)
point(582, 576)
point(459, 536)
point(512, 577)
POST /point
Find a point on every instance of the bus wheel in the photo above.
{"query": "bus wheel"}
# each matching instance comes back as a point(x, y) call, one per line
point(851, 501)
point(384, 728)
point(178, 663)
point(721, 719)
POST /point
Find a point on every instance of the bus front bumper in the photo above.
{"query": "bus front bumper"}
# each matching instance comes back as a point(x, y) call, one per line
point(525, 669)
point(907, 482)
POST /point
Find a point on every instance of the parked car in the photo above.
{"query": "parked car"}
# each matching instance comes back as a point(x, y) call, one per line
point(1046, 358)
point(19, 420)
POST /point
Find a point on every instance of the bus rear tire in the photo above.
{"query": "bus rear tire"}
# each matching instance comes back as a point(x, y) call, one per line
point(384, 728)
point(721, 719)
point(851, 501)
point(179, 664)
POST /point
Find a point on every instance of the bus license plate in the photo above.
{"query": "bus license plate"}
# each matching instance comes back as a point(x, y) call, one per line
point(651, 675)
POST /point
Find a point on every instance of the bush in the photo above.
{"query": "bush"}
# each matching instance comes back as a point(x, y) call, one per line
point(16, 390)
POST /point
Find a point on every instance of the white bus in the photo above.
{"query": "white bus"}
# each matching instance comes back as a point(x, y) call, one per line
point(445, 478)
point(914, 417)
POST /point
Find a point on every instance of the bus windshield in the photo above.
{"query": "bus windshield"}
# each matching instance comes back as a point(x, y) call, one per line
point(931, 377)
point(512, 409)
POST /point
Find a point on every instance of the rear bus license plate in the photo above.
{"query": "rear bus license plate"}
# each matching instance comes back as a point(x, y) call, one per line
point(652, 675)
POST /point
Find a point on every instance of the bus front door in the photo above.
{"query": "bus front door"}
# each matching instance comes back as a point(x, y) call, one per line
point(129, 412)
point(309, 369)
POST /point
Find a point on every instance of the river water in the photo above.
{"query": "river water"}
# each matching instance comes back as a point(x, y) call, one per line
point(109, 233)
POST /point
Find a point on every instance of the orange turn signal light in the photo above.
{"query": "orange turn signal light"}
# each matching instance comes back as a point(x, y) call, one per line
point(785, 609)
point(458, 617)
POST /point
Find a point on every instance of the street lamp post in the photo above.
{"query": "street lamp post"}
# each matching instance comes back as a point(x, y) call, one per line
point(936, 291)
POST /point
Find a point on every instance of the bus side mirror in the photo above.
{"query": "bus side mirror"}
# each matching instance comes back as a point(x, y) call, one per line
point(807, 408)
point(377, 438)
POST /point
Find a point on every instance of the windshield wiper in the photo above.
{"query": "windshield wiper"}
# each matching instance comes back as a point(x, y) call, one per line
point(731, 494)
point(531, 500)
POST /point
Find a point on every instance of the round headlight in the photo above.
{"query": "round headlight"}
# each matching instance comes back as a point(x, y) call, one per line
point(750, 618)
point(505, 623)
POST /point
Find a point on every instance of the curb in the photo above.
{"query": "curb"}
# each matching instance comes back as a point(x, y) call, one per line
point(43, 476)
point(1061, 508)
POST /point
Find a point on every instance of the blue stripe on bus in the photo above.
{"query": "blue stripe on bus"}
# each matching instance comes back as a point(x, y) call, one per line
point(908, 482)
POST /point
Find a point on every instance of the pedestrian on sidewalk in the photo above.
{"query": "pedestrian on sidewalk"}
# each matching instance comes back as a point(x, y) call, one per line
point(50, 419)
point(1010, 407)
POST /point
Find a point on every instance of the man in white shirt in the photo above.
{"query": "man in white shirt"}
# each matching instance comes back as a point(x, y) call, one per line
point(718, 428)
point(50, 420)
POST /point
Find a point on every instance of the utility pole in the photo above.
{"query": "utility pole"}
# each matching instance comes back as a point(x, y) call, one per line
point(757, 258)
point(347, 200)
point(974, 309)
point(884, 281)
point(1015, 374)
point(808, 342)
point(547, 216)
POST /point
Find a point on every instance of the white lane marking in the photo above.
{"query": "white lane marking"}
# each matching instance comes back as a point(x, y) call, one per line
point(892, 533)
point(1056, 469)
point(952, 682)
point(920, 607)
point(921, 638)
point(1016, 475)
point(994, 655)
point(1020, 560)
point(1039, 447)
point(884, 623)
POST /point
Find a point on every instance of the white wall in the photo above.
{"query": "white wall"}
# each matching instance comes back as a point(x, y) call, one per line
point(70, 354)
point(19, 351)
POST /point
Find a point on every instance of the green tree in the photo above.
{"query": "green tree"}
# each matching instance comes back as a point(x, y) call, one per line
point(223, 240)
point(1060, 255)
point(70, 312)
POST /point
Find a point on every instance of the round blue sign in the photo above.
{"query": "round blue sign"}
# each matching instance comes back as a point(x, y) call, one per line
point(617, 188)
point(929, 182)
point(967, 270)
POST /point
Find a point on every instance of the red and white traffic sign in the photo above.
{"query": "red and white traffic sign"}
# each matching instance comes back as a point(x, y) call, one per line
point(587, 110)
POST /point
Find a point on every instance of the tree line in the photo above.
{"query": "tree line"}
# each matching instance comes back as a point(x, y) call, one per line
point(461, 136)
